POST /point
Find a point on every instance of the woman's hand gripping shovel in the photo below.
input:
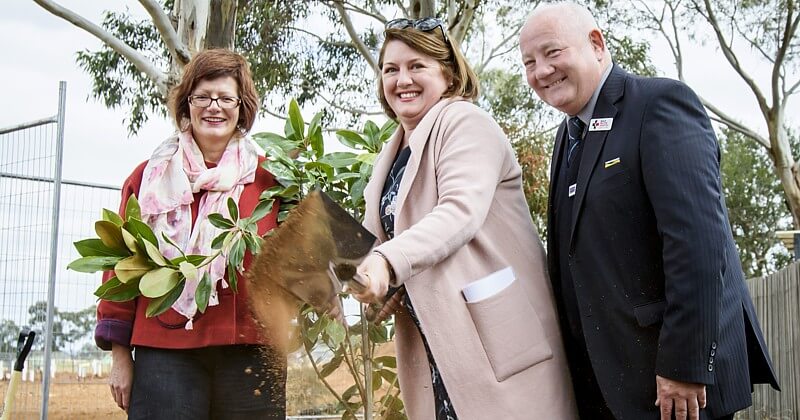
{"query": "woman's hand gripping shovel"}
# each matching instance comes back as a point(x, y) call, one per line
point(23, 349)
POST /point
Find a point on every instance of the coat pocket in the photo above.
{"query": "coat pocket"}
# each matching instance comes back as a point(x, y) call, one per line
point(510, 331)
point(650, 313)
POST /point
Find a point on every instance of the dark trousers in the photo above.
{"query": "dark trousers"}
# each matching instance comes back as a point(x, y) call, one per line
point(224, 382)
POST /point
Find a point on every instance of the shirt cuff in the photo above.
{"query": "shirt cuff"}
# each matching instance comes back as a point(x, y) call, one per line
point(113, 331)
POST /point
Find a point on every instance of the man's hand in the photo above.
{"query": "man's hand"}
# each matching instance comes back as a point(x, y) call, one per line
point(121, 379)
point(687, 399)
point(376, 272)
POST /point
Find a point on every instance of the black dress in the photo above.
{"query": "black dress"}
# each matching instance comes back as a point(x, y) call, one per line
point(444, 409)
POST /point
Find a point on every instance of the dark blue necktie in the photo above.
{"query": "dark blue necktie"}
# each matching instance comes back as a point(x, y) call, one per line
point(574, 133)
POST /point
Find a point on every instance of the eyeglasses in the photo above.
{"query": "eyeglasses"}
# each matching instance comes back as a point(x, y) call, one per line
point(425, 25)
point(202, 101)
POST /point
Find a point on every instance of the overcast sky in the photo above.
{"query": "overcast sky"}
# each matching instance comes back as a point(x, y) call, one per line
point(39, 50)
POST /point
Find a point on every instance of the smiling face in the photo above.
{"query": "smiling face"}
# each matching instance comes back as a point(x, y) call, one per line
point(564, 61)
point(412, 82)
point(214, 124)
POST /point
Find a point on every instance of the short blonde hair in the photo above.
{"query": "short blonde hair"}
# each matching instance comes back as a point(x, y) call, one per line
point(444, 50)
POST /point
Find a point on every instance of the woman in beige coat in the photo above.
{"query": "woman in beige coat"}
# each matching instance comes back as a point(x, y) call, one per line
point(446, 203)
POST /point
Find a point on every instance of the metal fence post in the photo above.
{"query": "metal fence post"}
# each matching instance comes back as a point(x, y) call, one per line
point(51, 287)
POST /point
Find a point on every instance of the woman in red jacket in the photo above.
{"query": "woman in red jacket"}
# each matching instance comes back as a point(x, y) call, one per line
point(188, 364)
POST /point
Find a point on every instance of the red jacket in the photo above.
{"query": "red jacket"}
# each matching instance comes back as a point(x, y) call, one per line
point(230, 322)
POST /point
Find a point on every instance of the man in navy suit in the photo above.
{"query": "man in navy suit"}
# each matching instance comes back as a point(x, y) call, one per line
point(656, 317)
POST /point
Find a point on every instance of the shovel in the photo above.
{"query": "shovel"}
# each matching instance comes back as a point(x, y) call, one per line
point(311, 257)
point(23, 348)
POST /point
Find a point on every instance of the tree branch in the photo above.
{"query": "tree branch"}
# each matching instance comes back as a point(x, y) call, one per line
point(350, 6)
point(177, 49)
point(786, 40)
point(465, 16)
point(319, 38)
point(138, 60)
point(362, 48)
point(346, 109)
point(493, 53)
point(731, 123)
point(731, 56)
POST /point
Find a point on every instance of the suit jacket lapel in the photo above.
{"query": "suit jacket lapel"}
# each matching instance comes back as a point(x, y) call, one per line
point(610, 93)
point(555, 164)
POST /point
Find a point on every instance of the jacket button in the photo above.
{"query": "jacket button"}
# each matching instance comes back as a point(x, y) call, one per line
point(713, 352)
point(710, 368)
point(713, 345)
point(710, 360)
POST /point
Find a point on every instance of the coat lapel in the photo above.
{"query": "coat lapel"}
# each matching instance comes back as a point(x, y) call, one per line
point(420, 139)
point(372, 194)
point(610, 93)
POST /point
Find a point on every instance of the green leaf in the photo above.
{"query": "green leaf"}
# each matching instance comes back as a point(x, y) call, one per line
point(339, 159)
point(296, 118)
point(344, 176)
point(132, 210)
point(108, 284)
point(171, 242)
point(188, 270)
point(110, 234)
point(368, 158)
point(159, 282)
point(120, 292)
point(233, 209)
point(385, 361)
point(93, 264)
point(253, 243)
point(319, 167)
point(160, 305)
point(350, 393)
point(219, 240)
point(130, 241)
point(203, 292)
point(387, 130)
point(376, 382)
point(388, 375)
point(139, 228)
point(219, 221)
point(263, 208)
point(291, 192)
point(192, 259)
point(284, 174)
point(95, 248)
point(373, 133)
point(236, 256)
point(357, 191)
point(336, 333)
point(351, 139)
point(132, 268)
point(155, 254)
point(112, 217)
point(232, 279)
point(315, 139)
point(331, 366)
point(274, 145)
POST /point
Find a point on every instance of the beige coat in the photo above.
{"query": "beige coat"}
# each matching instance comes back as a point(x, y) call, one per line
point(460, 216)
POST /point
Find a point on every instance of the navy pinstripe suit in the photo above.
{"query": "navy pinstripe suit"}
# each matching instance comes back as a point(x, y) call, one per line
point(658, 286)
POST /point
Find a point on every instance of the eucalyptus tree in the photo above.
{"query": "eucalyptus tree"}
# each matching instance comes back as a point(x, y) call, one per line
point(766, 29)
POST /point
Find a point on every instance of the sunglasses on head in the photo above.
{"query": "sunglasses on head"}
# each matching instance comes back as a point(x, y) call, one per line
point(425, 24)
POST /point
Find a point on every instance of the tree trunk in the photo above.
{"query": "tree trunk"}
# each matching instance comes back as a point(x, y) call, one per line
point(421, 8)
point(785, 165)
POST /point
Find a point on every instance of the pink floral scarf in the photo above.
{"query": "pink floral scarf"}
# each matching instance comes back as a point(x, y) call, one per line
point(174, 172)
